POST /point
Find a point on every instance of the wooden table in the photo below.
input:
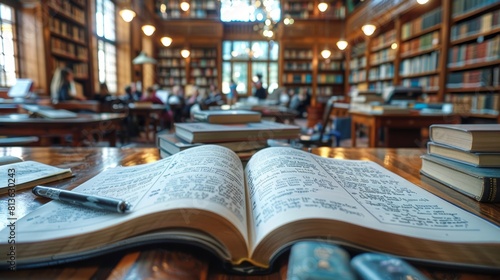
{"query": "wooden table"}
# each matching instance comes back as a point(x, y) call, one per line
point(151, 114)
point(84, 127)
point(177, 262)
point(400, 130)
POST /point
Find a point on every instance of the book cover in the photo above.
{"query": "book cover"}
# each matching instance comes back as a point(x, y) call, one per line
point(227, 116)
point(476, 159)
point(481, 184)
point(216, 133)
point(469, 137)
point(249, 216)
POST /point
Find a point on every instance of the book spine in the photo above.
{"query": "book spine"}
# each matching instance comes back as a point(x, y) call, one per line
point(491, 193)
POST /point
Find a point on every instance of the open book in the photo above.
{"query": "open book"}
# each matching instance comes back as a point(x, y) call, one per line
point(21, 174)
point(249, 216)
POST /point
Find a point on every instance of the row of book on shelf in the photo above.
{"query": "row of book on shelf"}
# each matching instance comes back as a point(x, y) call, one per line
point(466, 158)
point(242, 131)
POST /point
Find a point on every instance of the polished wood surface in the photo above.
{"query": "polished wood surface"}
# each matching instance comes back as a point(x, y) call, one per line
point(169, 261)
point(90, 127)
point(400, 130)
point(151, 114)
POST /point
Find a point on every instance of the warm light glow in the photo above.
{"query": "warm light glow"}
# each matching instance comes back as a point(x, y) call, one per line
point(421, 2)
point(322, 6)
point(268, 33)
point(185, 53)
point(288, 21)
point(342, 44)
point(368, 29)
point(127, 15)
point(184, 6)
point(326, 53)
point(394, 46)
point(166, 41)
point(148, 29)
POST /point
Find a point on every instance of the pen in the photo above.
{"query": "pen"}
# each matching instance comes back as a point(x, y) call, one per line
point(91, 201)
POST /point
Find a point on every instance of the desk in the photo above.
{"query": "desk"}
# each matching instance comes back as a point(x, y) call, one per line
point(400, 130)
point(178, 262)
point(150, 113)
point(85, 126)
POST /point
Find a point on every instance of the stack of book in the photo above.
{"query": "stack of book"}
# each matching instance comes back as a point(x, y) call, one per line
point(239, 130)
point(466, 158)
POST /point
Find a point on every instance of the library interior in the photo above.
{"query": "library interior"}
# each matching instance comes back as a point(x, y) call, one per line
point(412, 86)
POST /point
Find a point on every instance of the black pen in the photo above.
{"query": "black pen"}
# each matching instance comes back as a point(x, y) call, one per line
point(91, 201)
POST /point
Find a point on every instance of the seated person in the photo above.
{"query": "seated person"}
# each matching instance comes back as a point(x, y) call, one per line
point(63, 86)
point(300, 102)
point(150, 96)
point(103, 93)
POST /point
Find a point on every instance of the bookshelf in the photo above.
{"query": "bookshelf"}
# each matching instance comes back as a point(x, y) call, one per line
point(67, 39)
point(203, 70)
point(420, 51)
point(198, 9)
point(382, 55)
point(473, 76)
point(302, 9)
point(171, 67)
point(357, 76)
point(330, 76)
point(298, 68)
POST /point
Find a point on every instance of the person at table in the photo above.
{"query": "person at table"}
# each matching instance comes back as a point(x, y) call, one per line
point(103, 94)
point(300, 102)
point(63, 86)
point(260, 91)
point(150, 96)
point(214, 97)
point(131, 93)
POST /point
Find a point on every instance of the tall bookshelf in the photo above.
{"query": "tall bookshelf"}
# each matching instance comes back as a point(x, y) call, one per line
point(357, 76)
point(302, 9)
point(67, 39)
point(473, 79)
point(421, 48)
point(382, 55)
point(330, 76)
point(171, 67)
point(203, 70)
point(298, 68)
point(198, 9)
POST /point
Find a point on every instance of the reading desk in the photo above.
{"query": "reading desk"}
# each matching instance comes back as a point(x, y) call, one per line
point(170, 261)
point(84, 126)
point(400, 129)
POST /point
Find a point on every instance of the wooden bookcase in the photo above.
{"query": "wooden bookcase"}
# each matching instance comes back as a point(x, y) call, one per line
point(303, 9)
point(298, 74)
point(171, 68)
point(66, 37)
point(203, 70)
point(420, 51)
point(357, 74)
point(383, 50)
point(330, 76)
point(473, 76)
point(198, 9)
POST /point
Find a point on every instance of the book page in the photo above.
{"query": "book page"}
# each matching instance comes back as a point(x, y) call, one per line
point(286, 185)
point(28, 171)
point(201, 178)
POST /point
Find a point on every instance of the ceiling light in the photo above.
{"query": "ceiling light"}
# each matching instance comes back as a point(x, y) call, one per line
point(127, 14)
point(368, 29)
point(322, 6)
point(342, 44)
point(185, 53)
point(394, 46)
point(421, 2)
point(143, 58)
point(148, 29)
point(184, 6)
point(166, 41)
point(326, 53)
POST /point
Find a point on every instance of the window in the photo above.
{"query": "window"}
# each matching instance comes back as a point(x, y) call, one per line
point(8, 46)
point(243, 60)
point(249, 10)
point(106, 43)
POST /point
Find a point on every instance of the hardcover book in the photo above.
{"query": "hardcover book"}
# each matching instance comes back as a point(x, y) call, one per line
point(468, 137)
point(481, 184)
point(216, 133)
point(250, 216)
point(477, 159)
point(21, 174)
point(227, 116)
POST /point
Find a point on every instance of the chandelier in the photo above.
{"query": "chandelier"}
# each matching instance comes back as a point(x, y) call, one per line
point(268, 14)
